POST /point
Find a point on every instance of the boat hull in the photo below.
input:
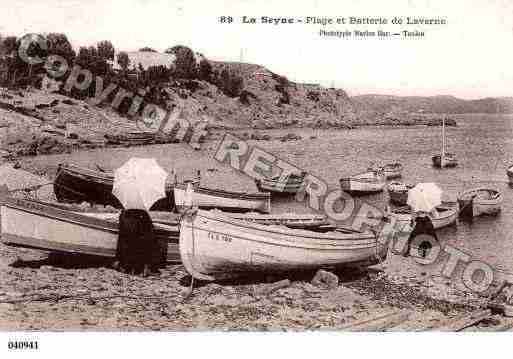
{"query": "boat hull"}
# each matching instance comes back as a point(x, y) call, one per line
point(363, 184)
point(75, 184)
point(392, 171)
point(448, 215)
point(228, 201)
point(277, 187)
point(398, 196)
point(480, 201)
point(450, 161)
point(213, 246)
point(42, 226)
point(291, 186)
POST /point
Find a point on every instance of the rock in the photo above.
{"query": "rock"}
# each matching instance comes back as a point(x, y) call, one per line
point(269, 288)
point(325, 279)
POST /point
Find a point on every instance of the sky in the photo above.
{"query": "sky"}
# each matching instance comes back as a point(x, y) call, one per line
point(469, 57)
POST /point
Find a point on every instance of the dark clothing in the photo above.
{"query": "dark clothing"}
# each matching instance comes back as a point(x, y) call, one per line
point(137, 247)
point(423, 225)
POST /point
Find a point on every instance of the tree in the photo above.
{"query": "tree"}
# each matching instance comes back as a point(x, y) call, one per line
point(230, 82)
point(185, 62)
point(105, 50)
point(157, 74)
point(205, 70)
point(58, 44)
point(10, 44)
point(123, 60)
point(88, 58)
point(147, 49)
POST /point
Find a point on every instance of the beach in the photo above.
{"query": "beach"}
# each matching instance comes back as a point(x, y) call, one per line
point(60, 292)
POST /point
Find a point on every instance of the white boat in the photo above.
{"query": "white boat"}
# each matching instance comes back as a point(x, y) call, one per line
point(398, 192)
point(367, 182)
point(446, 214)
point(444, 159)
point(215, 246)
point(230, 201)
point(393, 170)
point(479, 201)
point(48, 227)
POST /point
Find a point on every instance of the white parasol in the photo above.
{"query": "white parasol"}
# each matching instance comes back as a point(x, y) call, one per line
point(424, 197)
point(139, 183)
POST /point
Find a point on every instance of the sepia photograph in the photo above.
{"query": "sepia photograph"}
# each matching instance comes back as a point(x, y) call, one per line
point(296, 168)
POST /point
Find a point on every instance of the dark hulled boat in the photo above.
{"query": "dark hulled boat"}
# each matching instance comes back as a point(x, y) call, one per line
point(74, 184)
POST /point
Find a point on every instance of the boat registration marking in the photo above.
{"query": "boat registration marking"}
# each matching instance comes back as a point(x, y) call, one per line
point(219, 237)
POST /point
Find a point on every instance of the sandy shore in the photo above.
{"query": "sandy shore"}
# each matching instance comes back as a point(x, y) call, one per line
point(41, 291)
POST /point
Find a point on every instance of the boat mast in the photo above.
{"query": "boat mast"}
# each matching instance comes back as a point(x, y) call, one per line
point(442, 155)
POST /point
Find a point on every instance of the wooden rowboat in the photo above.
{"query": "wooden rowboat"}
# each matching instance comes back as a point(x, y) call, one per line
point(446, 214)
point(214, 246)
point(292, 185)
point(131, 138)
point(363, 183)
point(291, 220)
point(43, 226)
point(480, 201)
point(229, 201)
point(74, 184)
point(398, 192)
point(393, 170)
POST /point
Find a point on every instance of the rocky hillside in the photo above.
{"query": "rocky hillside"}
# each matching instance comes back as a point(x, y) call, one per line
point(436, 104)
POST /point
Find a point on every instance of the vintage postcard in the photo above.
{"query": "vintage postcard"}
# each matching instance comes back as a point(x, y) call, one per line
point(259, 166)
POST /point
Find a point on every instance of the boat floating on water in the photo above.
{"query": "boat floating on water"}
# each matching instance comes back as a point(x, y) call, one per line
point(364, 183)
point(214, 246)
point(449, 160)
point(291, 186)
point(392, 170)
point(446, 214)
point(444, 159)
point(480, 201)
point(398, 192)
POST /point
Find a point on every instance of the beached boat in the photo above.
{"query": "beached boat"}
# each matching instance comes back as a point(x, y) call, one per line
point(74, 184)
point(229, 201)
point(47, 227)
point(509, 172)
point(214, 246)
point(363, 183)
point(291, 220)
point(392, 170)
point(480, 201)
point(291, 186)
point(444, 159)
point(131, 138)
point(398, 192)
point(446, 214)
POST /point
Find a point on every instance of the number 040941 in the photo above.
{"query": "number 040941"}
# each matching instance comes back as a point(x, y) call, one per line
point(22, 345)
